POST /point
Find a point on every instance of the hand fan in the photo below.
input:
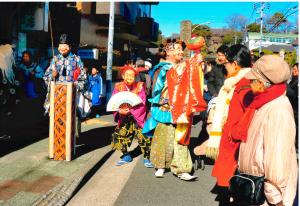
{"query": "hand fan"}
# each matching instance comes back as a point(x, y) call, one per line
point(122, 98)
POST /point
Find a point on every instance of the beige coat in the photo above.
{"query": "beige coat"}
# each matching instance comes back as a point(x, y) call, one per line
point(270, 150)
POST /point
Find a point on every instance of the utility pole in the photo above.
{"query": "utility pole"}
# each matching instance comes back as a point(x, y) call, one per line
point(261, 11)
point(110, 50)
point(261, 24)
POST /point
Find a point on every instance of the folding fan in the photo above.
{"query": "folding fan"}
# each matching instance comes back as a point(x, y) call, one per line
point(123, 98)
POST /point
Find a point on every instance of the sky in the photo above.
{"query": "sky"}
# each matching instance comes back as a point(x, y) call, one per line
point(169, 14)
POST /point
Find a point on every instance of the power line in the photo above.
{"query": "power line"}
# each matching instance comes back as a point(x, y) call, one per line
point(261, 11)
point(286, 8)
point(253, 9)
point(283, 18)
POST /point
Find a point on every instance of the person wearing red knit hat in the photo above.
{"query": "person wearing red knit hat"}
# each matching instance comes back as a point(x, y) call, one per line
point(130, 119)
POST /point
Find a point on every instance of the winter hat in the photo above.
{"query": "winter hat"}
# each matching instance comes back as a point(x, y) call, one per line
point(127, 67)
point(270, 68)
point(139, 62)
point(148, 63)
point(64, 39)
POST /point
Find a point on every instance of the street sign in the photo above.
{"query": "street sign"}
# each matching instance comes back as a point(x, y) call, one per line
point(88, 53)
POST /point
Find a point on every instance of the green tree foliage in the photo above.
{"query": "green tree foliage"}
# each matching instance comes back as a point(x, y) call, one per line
point(202, 30)
point(254, 27)
point(232, 37)
point(291, 58)
point(277, 23)
point(277, 18)
point(160, 38)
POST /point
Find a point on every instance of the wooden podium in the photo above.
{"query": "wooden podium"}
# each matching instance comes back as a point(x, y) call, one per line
point(62, 121)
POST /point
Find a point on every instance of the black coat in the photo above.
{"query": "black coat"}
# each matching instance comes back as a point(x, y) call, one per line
point(215, 79)
point(292, 93)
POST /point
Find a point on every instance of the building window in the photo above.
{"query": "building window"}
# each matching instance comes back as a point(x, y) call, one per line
point(126, 13)
point(288, 40)
point(277, 40)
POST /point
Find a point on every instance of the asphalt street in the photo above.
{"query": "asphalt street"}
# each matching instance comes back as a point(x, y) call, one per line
point(135, 185)
point(143, 188)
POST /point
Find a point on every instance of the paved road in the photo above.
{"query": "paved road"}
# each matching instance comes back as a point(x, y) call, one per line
point(105, 186)
point(143, 188)
point(135, 185)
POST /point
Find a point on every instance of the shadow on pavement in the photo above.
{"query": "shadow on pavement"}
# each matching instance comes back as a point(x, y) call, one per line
point(26, 125)
point(223, 196)
point(93, 139)
point(203, 136)
point(90, 173)
point(135, 152)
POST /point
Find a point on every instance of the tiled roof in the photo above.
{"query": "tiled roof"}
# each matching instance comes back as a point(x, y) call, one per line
point(256, 35)
point(277, 48)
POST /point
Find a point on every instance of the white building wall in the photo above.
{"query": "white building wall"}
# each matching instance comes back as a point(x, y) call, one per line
point(255, 43)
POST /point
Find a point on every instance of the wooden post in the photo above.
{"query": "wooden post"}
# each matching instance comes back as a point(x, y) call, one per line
point(69, 121)
point(62, 121)
point(51, 121)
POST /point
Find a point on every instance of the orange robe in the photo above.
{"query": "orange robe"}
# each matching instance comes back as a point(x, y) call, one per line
point(185, 96)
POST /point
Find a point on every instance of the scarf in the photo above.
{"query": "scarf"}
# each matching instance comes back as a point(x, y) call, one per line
point(220, 113)
point(258, 101)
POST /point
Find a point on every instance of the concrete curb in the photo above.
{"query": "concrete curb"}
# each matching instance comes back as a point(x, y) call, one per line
point(62, 193)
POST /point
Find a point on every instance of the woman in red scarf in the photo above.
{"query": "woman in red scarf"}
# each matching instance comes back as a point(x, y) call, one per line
point(239, 59)
point(268, 132)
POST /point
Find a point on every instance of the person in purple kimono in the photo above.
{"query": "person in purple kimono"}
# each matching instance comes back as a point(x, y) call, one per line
point(131, 119)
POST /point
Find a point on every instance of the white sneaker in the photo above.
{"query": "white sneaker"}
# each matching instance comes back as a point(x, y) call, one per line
point(159, 173)
point(186, 176)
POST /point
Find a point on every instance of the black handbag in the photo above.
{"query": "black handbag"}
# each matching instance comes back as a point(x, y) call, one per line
point(247, 189)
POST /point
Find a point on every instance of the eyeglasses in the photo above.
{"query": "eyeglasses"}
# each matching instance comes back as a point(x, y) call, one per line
point(129, 75)
point(266, 84)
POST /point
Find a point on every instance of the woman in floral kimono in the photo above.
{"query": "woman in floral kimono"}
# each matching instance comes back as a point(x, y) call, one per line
point(176, 95)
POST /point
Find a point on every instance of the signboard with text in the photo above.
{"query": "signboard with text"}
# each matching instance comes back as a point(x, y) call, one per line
point(88, 53)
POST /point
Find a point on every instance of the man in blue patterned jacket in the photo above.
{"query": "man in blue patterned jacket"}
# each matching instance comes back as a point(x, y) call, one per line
point(66, 67)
